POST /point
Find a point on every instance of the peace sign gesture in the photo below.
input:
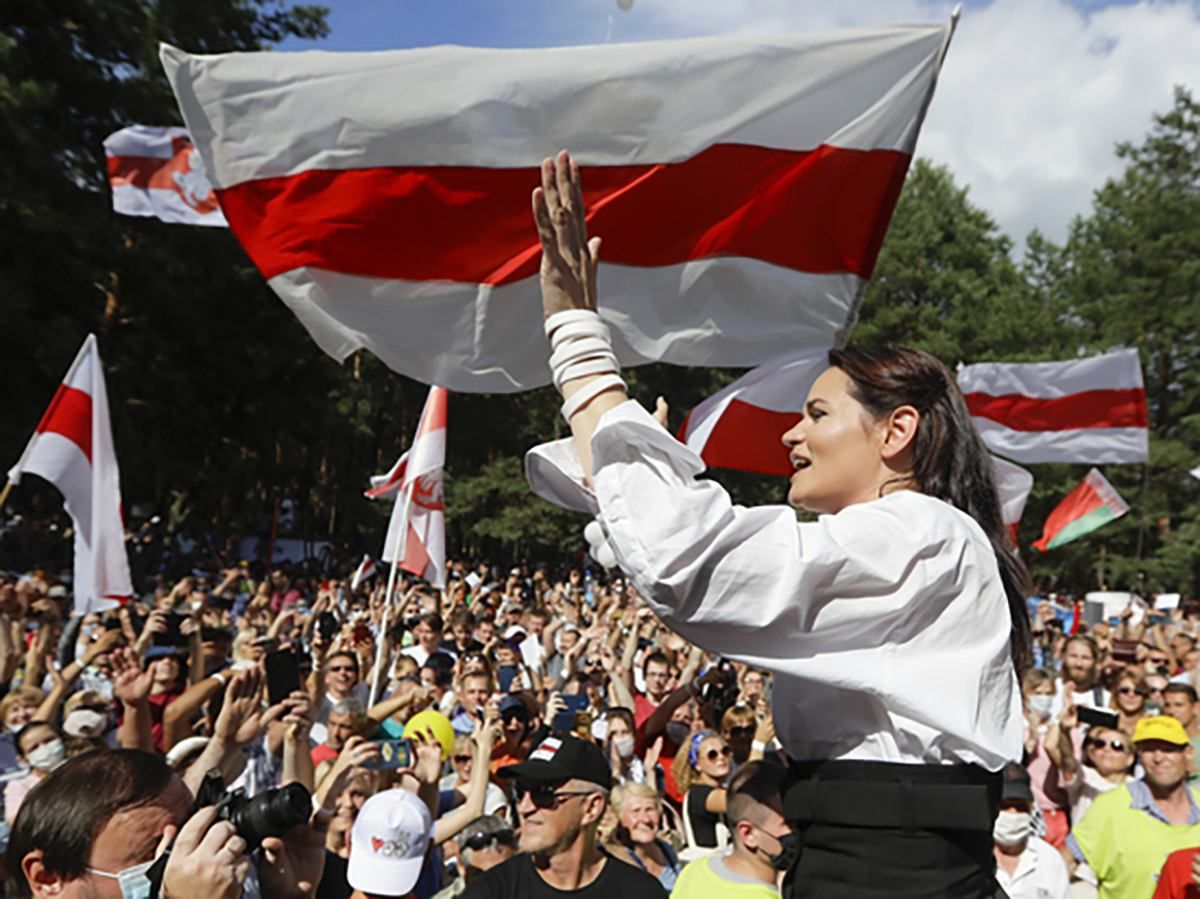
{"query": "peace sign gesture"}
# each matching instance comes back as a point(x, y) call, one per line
point(568, 272)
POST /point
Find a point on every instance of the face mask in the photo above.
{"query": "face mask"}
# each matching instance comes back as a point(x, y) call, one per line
point(1152, 708)
point(1041, 705)
point(1011, 828)
point(677, 732)
point(48, 756)
point(624, 746)
point(789, 851)
point(134, 882)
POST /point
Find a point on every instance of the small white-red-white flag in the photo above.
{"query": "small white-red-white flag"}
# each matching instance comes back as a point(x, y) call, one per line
point(157, 172)
point(1013, 484)
point(365, 570)
point(1085, 410)
point(417, 530)
point(72, 448)
point(740, 426)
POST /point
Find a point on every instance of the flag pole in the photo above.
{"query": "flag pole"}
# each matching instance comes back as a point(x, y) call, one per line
point(4, 492)
point(398, 547)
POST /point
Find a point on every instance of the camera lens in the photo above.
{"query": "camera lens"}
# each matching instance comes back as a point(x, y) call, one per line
point(268, 814)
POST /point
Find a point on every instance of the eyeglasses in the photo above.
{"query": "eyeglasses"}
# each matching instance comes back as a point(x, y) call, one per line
point(713, 754)
point(478, 841)
point(544, 796)
point(338, 669)
point(592, 663)
point(1131, 691)
point(1114, 745)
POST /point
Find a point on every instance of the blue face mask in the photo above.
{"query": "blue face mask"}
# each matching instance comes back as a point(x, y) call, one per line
point(133, 881)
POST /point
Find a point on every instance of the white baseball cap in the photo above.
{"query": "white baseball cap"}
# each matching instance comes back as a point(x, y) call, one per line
point(388, 843)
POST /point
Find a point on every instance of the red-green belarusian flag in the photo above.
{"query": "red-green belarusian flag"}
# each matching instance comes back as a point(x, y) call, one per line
point(1094, 503)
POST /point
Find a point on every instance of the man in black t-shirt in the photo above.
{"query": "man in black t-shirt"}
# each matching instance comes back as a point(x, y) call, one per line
point(561, 791)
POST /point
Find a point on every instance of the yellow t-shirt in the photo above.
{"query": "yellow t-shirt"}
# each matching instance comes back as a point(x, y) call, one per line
point(699, 880)
point(1126, 845)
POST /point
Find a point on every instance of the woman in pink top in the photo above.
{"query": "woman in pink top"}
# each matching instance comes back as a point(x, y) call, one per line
point(1037, 689)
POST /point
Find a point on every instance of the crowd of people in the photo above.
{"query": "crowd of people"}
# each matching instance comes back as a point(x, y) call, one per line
point(518, 733)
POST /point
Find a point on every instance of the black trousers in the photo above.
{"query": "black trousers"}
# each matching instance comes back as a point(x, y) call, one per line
point(877, 830)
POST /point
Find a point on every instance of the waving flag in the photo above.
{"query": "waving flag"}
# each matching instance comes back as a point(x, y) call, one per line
point(155, 171)
point(416, 536)
point(1086, 410)
point(364, 571)
point(1094, 503)
point(1013, 483)
point(742, 186)
point(72, 448)
point(740, 427)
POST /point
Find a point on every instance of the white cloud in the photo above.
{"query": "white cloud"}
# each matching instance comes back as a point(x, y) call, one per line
point(1033, 96)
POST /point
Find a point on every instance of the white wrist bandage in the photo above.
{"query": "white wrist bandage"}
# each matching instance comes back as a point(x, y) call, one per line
point(580, 346)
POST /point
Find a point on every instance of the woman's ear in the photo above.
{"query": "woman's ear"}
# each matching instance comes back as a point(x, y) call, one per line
point(899, 432)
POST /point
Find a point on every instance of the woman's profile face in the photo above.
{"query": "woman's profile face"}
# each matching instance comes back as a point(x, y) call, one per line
point(834, 450)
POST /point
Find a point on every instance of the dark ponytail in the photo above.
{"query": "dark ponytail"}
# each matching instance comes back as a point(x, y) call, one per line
point(950, 460)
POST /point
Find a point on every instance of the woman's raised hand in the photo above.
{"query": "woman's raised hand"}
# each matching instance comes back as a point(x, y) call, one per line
point(568, 274)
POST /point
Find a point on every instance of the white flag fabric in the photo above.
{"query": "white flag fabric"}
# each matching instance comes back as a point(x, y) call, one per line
point(1090, 411)
point(72, 448)
point(740, 426)
point(1195, 472)
point(1013, 483)
point(156, 171)
point(742, 185)
point(365, 570)
point(417, 529)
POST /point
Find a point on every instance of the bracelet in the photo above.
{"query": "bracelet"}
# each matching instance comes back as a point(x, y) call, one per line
point(580, 346)
point(758, 746)
point(218, 677)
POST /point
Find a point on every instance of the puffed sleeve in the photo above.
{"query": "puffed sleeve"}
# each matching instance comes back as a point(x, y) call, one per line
point(754, 583)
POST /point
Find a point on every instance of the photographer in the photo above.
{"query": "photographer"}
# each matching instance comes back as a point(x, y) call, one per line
point(100, 821)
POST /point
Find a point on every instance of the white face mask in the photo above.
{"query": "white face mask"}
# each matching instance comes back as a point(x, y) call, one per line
point(1012, 828)
point(133, 882)
point(624, 746)
point(48, 756)
point(1041, 705)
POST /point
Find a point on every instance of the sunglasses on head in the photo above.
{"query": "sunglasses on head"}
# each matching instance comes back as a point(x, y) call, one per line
point(544, 796)
point(713, 754)
point(478, 841)
point(1114, 745)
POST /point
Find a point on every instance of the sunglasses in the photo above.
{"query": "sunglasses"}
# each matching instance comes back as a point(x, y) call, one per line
point(462, 758)
point(544, 796)
point(713, 754)
point(746, 731)
point(478, 841)
point(1131, 691)
point(1114, 745)
point(592, 663)
point(338, 669)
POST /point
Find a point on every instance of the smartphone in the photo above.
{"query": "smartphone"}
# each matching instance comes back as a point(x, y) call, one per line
point(283, 675)
point(1097, 717)
point(505, 675)
point(173, 635)
point(326, 626)
point(393, 754)
point(564, 721)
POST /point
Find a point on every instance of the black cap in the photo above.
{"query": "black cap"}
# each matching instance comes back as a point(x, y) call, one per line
point(565, 757)
point(1016, 784)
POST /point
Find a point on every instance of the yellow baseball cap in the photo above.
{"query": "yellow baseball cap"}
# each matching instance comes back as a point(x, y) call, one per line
point(1161, 727)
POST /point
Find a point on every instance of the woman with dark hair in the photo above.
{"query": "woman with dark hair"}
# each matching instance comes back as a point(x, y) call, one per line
point(895, 623)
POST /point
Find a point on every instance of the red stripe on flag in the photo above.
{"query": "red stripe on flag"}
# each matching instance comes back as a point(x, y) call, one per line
point(70, 415)
point(820, 211)
point(135, 170)
point(416, 557)
point(1087, 409)
point(747, 438)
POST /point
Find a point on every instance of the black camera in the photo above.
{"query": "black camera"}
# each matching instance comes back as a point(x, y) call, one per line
point(267, 814)
point(722, 693)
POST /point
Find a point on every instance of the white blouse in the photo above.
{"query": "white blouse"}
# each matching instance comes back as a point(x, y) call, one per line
point(886, 624)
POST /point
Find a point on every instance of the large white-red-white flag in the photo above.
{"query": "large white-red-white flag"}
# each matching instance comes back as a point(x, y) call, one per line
point(72, 448)
point(742, 185)
point(156, 171)
point(741, 426)
point(417, 529)
point(1085, 410)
